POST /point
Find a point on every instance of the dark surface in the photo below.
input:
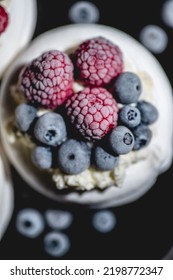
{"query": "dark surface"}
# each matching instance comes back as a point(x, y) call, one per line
point(144, 228)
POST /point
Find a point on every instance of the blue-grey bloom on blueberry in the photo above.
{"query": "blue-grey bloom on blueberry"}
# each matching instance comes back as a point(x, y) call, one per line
point(149, 113)
point(121, 140)
point(104, 221)
point(130, 116)
point(58, 219)
point(30, 222)
point(24, 116)
point(142, 135)
point(127, 88)
point(50, 129)
point(42, 157)
point(104, 160)
point(56, 244)
point(74, 156)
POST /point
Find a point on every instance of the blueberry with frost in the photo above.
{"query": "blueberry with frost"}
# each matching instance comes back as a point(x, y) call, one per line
point(130, 116)
point(84, 12)
point(121, 140)
point(143, 135)
point(154, 37)
point(104, 221)
point(30, 223)
point(74, 156)
point(127, 88)
point(104, 160)
point(149, 113)
point(56, 244)
point(50, 129)
point(24, 116)
point(58, 219)
point(42, 157)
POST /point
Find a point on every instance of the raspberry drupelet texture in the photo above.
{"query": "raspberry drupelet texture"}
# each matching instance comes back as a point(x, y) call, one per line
point(3, 19)
point(47, 82)
point(93, 111)
point(98, 61)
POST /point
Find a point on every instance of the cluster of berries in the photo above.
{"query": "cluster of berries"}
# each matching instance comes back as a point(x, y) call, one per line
point(4, 18)
point(93, 126)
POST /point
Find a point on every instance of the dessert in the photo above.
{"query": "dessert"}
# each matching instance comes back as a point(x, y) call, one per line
point(6, 194)
point(81, 116)
point(13, 17)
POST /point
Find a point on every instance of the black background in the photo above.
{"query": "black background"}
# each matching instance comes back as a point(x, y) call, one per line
point(144, 228)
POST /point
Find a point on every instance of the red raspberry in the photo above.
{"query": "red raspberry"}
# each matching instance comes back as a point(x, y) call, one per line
point(47, 81)
point(3, 19)
point(98, 61)
point(93, 111)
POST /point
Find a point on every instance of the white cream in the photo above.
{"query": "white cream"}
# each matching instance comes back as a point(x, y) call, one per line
point(139, 170)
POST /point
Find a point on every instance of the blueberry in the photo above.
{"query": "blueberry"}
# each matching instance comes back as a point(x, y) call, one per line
point(142, 135)
point(50, 129)
point(127, 88)
point(56, 244)
point(58, 219)
point(24, 116)
point(30, 223)
point(42, 157)
point(74, 156)
point(149, 113)
point(103, 160)
point(121, 140)
point(130, 116)
point(104, 221)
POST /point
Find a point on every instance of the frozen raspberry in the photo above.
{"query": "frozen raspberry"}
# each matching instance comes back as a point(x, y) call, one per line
point(47, 81)
point(93, 111)
point(3, 19)
point(98, 61)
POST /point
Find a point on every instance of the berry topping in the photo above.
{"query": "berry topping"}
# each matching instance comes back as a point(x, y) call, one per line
point(130, 116)
point(142, 135)
point(103, 160)
point(121, 140)
point(24, 116)
point(127, 88)
point(42, 157)
point(3, 19)
point(149, 113)
point(98, 61)
point(50, 129)
point(73, 156)
point(93, 111)
point(47, 81)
